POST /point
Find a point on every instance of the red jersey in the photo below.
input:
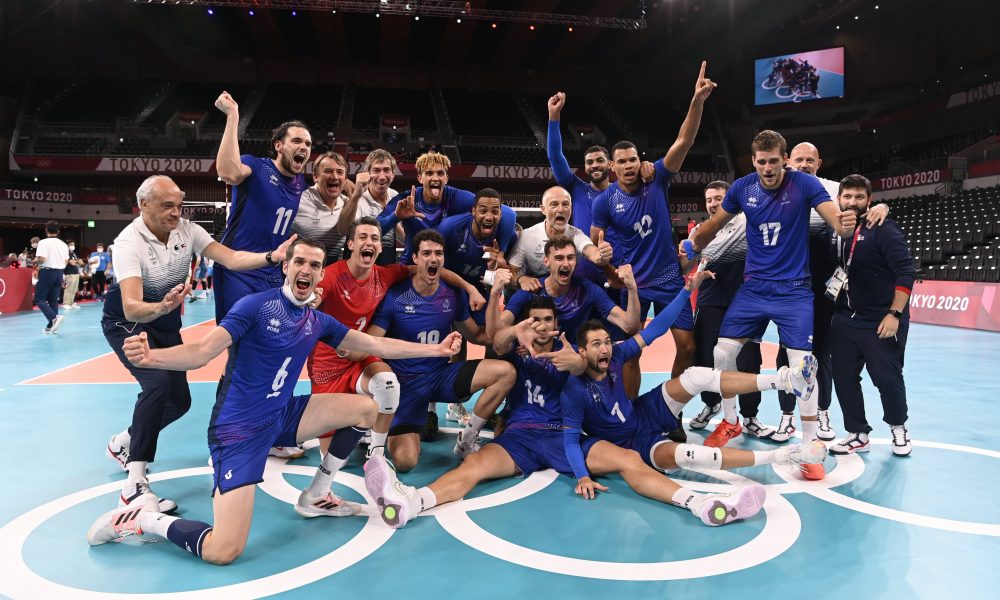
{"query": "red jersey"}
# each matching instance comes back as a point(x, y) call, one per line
point(353, 303)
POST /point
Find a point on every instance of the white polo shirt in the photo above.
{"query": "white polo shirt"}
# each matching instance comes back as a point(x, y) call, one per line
point(368, 206)
point(55, 251)
point(138, 253)
point(317, 221)
point(530, 249)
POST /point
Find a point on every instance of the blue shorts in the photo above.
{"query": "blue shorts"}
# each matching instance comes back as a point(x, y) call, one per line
point(659, 298)
point(240, 462)
point(536, 448)
point(202, 271)
point(230, 286)
point(653, 421)
point(789, 304)
point(433, 386)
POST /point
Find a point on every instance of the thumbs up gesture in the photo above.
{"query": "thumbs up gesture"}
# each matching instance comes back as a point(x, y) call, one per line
point(604, 248)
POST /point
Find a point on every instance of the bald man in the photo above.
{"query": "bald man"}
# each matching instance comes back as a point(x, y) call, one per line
point(527, 261)
point(805, 158)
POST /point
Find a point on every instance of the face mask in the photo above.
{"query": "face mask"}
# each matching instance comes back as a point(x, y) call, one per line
point(34, 245)
point(72, 248)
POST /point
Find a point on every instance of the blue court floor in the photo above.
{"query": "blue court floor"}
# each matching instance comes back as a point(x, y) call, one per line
point(879, 526)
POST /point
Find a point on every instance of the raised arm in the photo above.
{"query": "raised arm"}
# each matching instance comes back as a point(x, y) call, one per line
point(350, 209)
point(227, 161)
point(629, 320)
point(553, 143)
point(384, 347)
point(240, 260)
point(689, 128)
point(664, 320)
point(183, 357)
point(497, 319)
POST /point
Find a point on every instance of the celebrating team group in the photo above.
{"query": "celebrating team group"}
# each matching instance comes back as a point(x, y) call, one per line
point(306, 276)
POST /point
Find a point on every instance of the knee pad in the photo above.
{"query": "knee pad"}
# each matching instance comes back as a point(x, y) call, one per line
point(725, 353)
point(695, 456)
point(696, 380)
point(384, 388)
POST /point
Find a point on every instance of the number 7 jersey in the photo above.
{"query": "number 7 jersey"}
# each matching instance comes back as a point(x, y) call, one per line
point(777, 223)
point(601, 408)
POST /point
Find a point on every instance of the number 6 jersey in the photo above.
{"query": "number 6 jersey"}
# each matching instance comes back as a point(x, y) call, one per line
point(271, 340)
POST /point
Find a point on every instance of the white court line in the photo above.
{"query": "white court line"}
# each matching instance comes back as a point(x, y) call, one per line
point(78, 363)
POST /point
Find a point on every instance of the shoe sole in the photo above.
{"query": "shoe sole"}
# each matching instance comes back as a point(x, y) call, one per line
point(391, 508)
point(763, 436)
point(864, 448)
point(57, 324)
point(745, 503)
point(304, 512)
point(826, 438)
point(902, 454)
point(165, 506)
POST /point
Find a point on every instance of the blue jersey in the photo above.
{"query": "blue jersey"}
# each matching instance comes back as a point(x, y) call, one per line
point(535, 396)
point(581, 302)
point(453, 202)
point(463, 251)
point(406, 315)
point(263, 208)
point(102, 258)
point(642, 230)
point(601, 408)
point(272, 339)
point(777, 223)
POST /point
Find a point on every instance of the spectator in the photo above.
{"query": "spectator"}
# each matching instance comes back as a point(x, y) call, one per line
point(71, 275)
point(98, 261)
point(50, 258)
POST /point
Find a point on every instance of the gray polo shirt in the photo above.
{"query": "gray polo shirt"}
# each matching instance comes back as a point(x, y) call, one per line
point(317, 221)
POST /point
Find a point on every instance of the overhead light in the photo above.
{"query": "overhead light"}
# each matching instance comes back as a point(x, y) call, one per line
point(377, 15)
point(459, 20)
point(251, 12)
point(571, 30)
point(416, 17)
point(531, 27)
point(494, 26)
point(211, 12)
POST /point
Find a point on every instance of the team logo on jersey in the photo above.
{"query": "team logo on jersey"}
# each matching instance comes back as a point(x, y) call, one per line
point(408, 309)
point(347, 295)
point(274, 326)
point(309, 328)
point(752, 201)
point(462, 248)
point(273, 179)
point(446, 304)
point(152, 255)
point(619, 208)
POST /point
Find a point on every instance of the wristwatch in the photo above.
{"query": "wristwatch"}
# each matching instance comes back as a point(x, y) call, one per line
point(267, 258)
point(896, 313)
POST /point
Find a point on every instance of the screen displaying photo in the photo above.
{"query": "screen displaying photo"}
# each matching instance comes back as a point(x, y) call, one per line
point(799, 77)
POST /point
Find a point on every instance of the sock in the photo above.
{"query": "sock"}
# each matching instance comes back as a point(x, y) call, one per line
point(674, 406)
point(767, 382)
point(729, 410)
point(809, 431)
point(136, 471)
point(427, 498)
point(379, 439)
point(476, 424)
point(764, 457)
point(153, 523)
point(325, 472)
point(687, 499)
point(188, 534)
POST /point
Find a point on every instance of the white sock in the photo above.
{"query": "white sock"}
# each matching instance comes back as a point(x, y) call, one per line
point(379, 439)
point(136, 471)
point(427, 498)
point(729, 410)
point(687, 499)
point(767, 382)
point(809, 431)
point(323, 478)
point(476, 424)
point(765, 457)
point(154, 523)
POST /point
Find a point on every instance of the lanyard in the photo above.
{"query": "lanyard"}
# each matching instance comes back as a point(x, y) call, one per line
point(850, 256)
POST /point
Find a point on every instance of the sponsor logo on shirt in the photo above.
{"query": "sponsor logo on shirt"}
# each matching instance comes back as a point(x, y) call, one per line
point(408, 309)
point(619, 208)
point(274, 326)
point(446, 304)
point(752, 202)
point(273, 179)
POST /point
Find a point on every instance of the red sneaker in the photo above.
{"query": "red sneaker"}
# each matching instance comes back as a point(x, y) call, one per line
point(813, 472)
point(724, 432)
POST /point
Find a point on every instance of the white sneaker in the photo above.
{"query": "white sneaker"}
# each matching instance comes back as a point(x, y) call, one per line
point(56, 323)
point(854, 442)
point(465, 448)
point(824, 431)
point(754, 427)
point(700, 421)
point(116, 525)
point(458, 413)
point(785, 429)
point(812, 453)
point(801, 380)
point(397, 502)
point(289, 452)
point(117, 452)
point(719, 509)
point(901, 445)
point(328, 505)
point(133, 492)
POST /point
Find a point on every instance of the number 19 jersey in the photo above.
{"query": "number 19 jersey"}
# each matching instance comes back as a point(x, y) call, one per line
point(352, 302)
point(406, 315)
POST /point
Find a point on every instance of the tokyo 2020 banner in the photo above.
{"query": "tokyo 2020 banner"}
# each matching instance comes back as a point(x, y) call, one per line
point(956, 304)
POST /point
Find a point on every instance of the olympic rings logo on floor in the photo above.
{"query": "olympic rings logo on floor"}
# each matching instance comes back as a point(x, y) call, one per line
point(780, 531)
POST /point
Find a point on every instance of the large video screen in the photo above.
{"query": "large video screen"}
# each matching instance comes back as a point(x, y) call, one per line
point(799, 77)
